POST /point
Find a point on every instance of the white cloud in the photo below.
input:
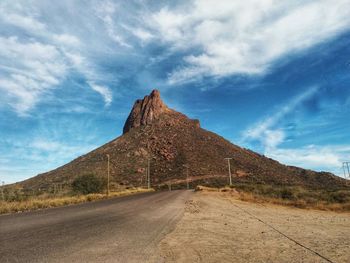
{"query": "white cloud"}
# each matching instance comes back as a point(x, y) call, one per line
point(25, 22)
point(321, 158)
point(268, 133)
point(245, 37)
point(105, 10)
point(105, 92)
point(38, 155)
point(77, 60)
point(273, 138)
point(142, 34)
point(67, 39)
point(34, 69)
point(264, 130)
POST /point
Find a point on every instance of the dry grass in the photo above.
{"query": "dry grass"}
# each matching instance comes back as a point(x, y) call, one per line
point(295, 202)
point(40, 203)
point(321, 205)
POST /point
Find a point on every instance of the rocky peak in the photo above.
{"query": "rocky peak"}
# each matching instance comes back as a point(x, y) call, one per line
point(145, 111)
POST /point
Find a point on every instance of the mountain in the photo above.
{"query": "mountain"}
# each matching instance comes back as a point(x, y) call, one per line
point(171, 141)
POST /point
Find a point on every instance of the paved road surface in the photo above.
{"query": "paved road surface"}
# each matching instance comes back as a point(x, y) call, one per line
point(125, 229)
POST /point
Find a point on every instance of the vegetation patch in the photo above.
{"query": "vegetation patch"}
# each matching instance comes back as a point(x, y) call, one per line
point(88, 184)
point(40, 202)
point(295, 196)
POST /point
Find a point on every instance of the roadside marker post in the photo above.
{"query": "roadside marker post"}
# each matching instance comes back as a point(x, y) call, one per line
point(187, 182)
point(149, 174)
point(108, 174)
point(229, 169)
point(2, 190)
point(188, 185)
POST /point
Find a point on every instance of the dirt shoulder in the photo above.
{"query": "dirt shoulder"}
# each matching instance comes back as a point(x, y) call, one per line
point(216, 227)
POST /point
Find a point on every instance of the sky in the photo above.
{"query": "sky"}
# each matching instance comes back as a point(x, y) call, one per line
point(272, 76)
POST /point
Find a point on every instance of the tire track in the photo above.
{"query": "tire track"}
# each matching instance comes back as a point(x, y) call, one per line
point(283, 234)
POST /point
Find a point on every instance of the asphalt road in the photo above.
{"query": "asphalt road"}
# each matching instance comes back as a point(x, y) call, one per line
point(125, 229)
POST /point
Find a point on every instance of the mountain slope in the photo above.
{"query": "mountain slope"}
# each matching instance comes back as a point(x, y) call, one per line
point(171, 141)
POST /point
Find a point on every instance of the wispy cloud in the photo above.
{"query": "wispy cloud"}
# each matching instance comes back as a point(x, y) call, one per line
point(245, 37)
point(38, 156)
point(66, 39)
point(105, 11)
point(321, 158)
point(210, 38)
point(34, 69)
point(264, 130)
point(104, 91)
point(271, 135)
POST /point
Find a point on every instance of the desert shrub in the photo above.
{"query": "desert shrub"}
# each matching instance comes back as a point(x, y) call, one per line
point(13, 194)
point(287, 194)
point(340, 197)
point(88, 184)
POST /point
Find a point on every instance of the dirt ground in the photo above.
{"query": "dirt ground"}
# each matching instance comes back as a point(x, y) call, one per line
point(218, 228)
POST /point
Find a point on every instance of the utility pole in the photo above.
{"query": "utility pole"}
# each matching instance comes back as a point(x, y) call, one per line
point(229, 169)
point(187, 183)
point(107, 174)
point(149, 174)
point(2, 190)
point(346, 167)
point(146, 174)
point(141, 180)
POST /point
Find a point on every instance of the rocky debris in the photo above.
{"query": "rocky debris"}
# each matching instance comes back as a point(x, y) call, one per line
point(192, 207)
point(196, 123)
point(140, 170)
point(141, 152)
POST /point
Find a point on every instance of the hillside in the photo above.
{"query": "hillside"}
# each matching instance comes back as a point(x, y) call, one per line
point(172, 141)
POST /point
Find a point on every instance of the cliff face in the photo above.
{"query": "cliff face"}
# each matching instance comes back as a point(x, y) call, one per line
point(145, 111)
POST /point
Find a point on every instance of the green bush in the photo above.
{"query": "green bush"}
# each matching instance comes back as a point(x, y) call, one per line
point(88, 184)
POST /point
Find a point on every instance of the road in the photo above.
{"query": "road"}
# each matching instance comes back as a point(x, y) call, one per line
point(125, 229)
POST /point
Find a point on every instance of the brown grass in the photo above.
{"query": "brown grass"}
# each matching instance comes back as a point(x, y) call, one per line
point(303, 203)
point(40, 203)
point(320, 205)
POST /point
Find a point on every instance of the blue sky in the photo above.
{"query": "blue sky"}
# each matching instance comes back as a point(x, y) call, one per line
point(272, 76)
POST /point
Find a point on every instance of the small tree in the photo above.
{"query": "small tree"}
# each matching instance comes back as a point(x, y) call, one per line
point(87, 184)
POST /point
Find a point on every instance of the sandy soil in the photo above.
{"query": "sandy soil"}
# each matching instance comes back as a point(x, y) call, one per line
point(219, 228)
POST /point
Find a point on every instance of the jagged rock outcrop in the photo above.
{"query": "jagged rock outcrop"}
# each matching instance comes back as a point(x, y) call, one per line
point(145, 111)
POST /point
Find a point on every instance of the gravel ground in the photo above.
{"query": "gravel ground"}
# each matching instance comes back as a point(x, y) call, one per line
point(218, 228)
